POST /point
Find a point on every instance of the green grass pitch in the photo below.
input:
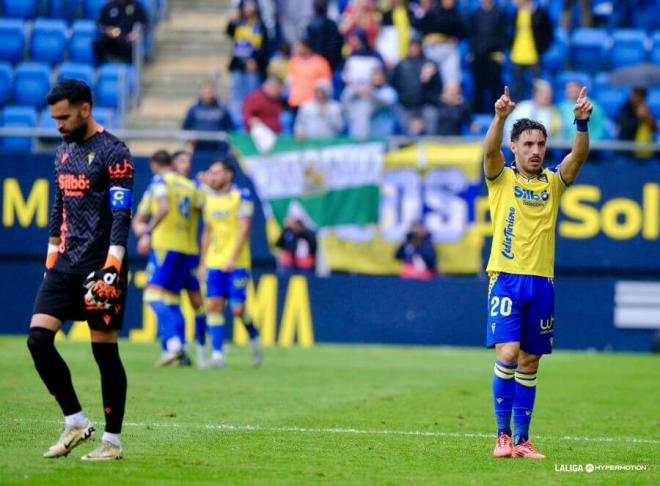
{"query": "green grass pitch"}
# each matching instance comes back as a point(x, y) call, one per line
point(336, 415)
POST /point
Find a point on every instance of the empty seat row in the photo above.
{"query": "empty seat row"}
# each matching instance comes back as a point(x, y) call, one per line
point(597, 50)
point(16, 116)
point(29, 83)
point(64, 9)
point(49, 40)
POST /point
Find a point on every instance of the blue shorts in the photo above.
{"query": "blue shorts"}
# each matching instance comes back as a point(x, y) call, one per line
point(167, 269)
point(191, 282)
point(521, 309)
point(229, 285)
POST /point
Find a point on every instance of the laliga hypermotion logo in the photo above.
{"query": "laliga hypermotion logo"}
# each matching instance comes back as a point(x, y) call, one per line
point(73, 185)
point(507, 244)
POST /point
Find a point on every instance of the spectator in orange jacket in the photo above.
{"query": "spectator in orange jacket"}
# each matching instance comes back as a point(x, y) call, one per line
point(305, 70)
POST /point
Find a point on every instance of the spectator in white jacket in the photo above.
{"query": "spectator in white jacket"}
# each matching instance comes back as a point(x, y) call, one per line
point(321, 117)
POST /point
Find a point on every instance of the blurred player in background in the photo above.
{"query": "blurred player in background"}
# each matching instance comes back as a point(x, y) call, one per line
point(162, 224)
point(86, 267)
point(182, 163)
point(225, 257)
point(524, 201)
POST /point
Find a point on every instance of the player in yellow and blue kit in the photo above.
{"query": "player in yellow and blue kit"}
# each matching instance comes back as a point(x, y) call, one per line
point(225, 257)
point(524, 201)
point(163, 224)
point(182, 163)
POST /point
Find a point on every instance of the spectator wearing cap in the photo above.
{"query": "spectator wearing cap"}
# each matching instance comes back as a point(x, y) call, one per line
point(320, 117)
point(370, 108)
point(441, 26)
point(324, 35)
point(305, 70)
point(249, 57)
point(264, 105)
point(418, 87)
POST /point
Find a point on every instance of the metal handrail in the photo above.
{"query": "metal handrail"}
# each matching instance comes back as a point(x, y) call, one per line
point(392, 142)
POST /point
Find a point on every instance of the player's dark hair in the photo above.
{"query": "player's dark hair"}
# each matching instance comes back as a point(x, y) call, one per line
point(227, 165)
point(74, 91)
point(161, 157)
point(179, 153)
point(524, 124)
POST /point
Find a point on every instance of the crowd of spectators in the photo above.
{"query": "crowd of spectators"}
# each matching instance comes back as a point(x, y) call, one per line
point(374, 68)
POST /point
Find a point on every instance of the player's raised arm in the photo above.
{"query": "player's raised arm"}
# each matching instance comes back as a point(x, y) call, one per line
point(572, 163)
point(493, 157)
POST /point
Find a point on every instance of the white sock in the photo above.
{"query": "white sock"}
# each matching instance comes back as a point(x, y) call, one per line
point(78, 419)
point(112, 438)
point(216, 355)
point(173, 344)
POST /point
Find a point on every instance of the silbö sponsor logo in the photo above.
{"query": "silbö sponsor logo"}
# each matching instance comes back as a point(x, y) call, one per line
point(529, 197)
point(507, 252)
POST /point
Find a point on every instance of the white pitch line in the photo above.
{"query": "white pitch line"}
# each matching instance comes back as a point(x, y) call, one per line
point(353, 431)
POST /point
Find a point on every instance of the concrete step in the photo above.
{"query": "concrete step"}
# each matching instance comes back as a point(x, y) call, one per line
point(177, 6)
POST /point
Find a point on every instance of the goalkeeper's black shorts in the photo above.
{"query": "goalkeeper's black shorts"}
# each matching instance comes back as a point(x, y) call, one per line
point(62, 295)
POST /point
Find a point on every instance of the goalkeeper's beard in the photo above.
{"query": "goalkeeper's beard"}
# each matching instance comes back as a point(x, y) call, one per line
point(76, 135)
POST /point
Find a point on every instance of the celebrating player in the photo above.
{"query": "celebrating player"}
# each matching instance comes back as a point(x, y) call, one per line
point(86, 266)
point(524, 200)
point(162, 224)
point(225, 257)
point(182, 163)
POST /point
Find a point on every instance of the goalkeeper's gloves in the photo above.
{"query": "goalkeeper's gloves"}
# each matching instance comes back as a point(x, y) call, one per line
point(103, 286)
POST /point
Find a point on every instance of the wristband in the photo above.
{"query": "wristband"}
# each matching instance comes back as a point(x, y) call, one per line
point(581, 125)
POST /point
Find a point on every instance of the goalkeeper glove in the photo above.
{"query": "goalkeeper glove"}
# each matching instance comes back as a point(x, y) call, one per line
point(103, 286)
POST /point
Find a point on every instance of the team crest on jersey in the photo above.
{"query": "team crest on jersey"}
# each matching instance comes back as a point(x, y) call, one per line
point(90, 157)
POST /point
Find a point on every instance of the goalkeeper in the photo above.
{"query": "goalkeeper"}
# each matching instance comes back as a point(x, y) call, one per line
point(86, 266)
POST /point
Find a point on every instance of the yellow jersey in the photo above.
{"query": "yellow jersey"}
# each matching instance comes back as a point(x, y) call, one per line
point(174, 232)
point(523, 50)
point(222, 213)
point(524, 216)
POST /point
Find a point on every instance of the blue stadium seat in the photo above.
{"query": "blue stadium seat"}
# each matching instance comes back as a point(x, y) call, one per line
point(564, 77)
point(588, 49)
point(18, 116)
point(610, 98)
point(555, 57)
point(628, 47)
point(31, 83)
point(12, 39)
point(76, 70)
point(109, 84)
point(92, 8)
point(655, 49)
point(6, 81)
point(481, 121)
point(653, 100)
point(48, 40)
point(63, 9)
point(24, 9)
point(105, 116)
point(81, 47)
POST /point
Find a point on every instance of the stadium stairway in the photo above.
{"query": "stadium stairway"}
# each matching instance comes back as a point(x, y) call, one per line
point(191, 46)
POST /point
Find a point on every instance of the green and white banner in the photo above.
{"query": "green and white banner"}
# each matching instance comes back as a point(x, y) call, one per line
point(325, 184)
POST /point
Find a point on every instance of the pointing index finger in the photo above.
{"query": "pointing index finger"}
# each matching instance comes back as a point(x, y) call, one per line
point(583, 92)
point(506, 91)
